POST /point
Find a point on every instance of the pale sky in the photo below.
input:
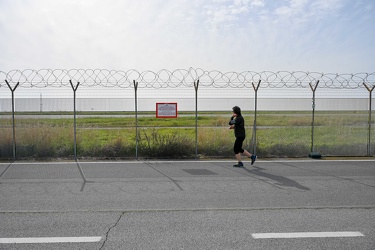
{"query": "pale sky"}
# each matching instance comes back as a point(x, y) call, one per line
point(330, 36)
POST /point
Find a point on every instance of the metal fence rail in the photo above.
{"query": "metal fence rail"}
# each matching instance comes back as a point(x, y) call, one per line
point(187, 78)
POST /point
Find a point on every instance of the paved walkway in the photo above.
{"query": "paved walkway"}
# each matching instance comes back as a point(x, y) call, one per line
point(188, 204)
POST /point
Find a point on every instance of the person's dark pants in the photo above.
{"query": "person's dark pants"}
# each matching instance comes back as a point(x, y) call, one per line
point(238, 145)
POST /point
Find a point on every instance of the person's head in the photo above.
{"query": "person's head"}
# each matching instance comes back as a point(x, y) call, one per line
point(236, 110)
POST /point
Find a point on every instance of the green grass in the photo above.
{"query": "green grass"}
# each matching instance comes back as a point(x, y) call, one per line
point(279, 134)
point(219, 119)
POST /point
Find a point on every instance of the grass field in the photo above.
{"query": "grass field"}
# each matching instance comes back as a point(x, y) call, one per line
point(279, 134)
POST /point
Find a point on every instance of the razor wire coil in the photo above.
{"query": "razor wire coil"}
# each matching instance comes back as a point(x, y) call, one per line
point(30, 78)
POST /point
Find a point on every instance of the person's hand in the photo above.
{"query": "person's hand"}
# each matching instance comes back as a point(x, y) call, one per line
point(231, 127)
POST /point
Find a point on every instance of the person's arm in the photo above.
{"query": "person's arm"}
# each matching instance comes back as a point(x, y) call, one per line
point(232, 122)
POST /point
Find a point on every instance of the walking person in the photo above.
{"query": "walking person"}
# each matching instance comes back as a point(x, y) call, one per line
point(237, 123)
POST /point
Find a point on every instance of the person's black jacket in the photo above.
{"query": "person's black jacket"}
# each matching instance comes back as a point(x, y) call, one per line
point(239, 126)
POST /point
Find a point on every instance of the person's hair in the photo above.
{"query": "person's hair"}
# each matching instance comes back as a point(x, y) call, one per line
point(236, 110)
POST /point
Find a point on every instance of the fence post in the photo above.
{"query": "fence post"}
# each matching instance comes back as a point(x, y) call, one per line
point(254, 136)
point(369, 118)
point(196, 84)
point(135, 84)
point(74, 123)
point(313, 154)
point(13, 124)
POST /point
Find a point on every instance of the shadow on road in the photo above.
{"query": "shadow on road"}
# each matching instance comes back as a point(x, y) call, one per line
point(280, 180)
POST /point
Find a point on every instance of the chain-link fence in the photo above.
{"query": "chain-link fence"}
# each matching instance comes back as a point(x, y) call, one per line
point(137, 134)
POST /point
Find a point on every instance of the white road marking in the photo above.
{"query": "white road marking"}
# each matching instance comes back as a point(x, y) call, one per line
point(305, 235)
point(49, 240)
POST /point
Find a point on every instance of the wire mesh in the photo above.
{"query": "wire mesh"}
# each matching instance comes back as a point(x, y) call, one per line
point(291, 139)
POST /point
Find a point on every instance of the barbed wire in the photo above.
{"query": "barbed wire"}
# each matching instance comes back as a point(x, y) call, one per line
point(30, 78)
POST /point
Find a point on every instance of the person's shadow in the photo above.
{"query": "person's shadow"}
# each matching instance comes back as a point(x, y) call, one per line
point(280, 180)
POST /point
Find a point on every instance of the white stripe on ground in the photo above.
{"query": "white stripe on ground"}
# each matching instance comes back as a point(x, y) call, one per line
point(305, 235)
point(49, 240)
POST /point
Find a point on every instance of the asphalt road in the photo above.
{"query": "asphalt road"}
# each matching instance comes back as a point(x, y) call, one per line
point(296, 204)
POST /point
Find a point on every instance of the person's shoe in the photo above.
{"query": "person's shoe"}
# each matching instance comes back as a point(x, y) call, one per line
point(238, 165)
point(253, 158)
